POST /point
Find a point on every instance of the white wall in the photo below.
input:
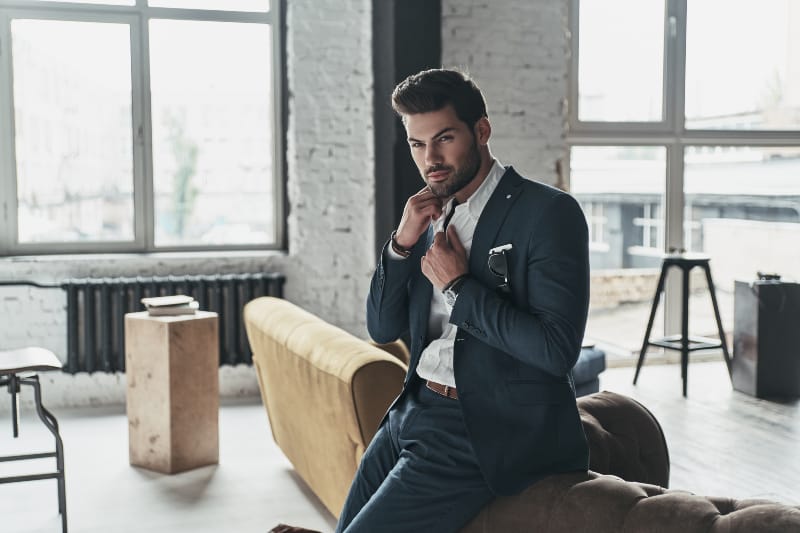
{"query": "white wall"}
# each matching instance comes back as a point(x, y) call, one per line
point(739, 249)
point(517, 51)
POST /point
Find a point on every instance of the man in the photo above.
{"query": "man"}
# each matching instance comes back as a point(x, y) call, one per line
point(488, 273)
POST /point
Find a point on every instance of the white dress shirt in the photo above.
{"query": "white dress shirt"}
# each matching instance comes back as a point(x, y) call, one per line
point(436, 362)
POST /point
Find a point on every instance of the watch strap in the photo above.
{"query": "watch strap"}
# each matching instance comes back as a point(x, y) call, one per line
point(455, 284)
point(396, 248)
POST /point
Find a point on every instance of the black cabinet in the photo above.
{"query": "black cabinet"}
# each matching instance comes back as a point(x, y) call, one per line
point(766, 339)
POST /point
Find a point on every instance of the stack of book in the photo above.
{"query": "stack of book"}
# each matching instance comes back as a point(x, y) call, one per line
point(170, 305)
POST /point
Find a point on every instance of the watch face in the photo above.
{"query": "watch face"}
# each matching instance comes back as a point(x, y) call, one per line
point(450, 297)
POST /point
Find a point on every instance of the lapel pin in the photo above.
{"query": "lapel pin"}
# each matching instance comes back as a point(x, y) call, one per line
point(508, 196)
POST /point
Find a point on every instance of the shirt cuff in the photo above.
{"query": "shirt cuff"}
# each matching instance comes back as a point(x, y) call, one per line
point(394, 256)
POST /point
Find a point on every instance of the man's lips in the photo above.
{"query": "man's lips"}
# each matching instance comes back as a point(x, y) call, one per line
point(438, 175)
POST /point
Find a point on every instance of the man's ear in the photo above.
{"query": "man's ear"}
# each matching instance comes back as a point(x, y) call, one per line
point(483, 130)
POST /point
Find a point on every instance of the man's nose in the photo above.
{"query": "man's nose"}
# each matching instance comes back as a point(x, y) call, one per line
point(432, 155)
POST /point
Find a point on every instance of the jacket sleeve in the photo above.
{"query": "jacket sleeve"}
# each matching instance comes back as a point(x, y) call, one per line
point(547, 332)
point(387, 301)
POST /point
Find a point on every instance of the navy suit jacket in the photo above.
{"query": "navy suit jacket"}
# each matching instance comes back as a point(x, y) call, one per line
point(513, 353)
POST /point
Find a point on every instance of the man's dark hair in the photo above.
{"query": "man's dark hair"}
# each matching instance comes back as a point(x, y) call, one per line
point(432, 90)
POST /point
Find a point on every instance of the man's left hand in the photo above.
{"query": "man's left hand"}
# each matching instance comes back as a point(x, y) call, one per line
point(445, 260)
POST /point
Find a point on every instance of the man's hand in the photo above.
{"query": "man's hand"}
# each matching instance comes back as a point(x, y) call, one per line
point(420, 210)
point(446, 259)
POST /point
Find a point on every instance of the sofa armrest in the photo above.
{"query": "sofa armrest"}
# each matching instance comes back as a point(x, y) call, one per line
point(397, 348)
point(625, 439)
point(324, 390)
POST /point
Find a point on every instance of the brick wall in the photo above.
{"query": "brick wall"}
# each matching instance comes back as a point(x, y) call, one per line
point(331, 159)
point(517, 51)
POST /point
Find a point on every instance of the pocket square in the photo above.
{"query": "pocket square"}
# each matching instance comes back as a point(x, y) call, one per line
point(501, 248)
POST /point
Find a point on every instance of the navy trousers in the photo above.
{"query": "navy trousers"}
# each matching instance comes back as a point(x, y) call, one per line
point(419, 473)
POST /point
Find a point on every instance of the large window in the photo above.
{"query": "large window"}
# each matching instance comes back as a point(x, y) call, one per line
point(685, 136)
point(128, 125)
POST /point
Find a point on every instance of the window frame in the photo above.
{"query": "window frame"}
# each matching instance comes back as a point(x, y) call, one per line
point(137, 17)
point(670, 132)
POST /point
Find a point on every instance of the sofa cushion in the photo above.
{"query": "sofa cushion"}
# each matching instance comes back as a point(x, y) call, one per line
point(591, 362)
point(597, 503)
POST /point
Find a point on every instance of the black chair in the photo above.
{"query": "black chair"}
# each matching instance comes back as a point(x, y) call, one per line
point(683, 342)
point(28, 361)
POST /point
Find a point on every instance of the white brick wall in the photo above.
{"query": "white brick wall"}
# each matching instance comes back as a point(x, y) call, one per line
point(517, 51)
point(330, 259)
point(331, 159)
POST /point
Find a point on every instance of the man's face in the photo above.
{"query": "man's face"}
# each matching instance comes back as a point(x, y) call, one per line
point(444, 149)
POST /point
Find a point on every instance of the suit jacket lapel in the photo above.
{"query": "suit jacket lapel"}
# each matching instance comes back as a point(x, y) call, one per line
point(492, 217)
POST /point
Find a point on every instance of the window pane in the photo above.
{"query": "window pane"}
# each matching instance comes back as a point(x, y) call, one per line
point(743, 64)
point(222, 5)
point(626, 185)
point(72, 112)
point(743, 210)
point(212, 132)
point(621, 57)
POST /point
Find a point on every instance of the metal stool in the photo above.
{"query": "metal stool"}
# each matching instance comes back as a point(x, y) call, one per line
point(683, 342)
point(26, 360)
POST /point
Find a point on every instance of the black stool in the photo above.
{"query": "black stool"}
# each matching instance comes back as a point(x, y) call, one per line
point(683, 342)
point(26, 360)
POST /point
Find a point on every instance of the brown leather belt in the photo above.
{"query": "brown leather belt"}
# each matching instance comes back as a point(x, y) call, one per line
point(444, 390)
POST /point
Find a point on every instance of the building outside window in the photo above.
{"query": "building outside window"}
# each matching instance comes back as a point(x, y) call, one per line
point(652, 228)
point(140, 126)
point(689, 136)
point(596, 220)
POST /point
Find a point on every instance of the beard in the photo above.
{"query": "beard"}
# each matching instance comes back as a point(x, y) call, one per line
point(461, 176)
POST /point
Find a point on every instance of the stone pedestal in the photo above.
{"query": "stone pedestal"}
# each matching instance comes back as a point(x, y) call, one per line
point(172, 369)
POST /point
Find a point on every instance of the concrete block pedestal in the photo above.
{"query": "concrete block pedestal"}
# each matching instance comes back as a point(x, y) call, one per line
point(172, 369)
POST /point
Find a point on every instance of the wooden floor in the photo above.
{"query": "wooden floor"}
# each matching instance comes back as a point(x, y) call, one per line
point(721, 443)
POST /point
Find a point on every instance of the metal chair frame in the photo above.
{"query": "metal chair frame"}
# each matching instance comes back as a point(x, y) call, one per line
point(13, 379)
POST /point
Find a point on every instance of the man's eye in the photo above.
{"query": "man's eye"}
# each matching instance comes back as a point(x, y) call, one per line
point(417, 145)
point(445, 138)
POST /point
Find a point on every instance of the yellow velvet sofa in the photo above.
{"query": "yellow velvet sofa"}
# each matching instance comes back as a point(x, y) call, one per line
point(325, 392)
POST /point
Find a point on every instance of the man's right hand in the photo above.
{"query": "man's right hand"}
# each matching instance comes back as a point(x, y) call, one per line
point(420, 210)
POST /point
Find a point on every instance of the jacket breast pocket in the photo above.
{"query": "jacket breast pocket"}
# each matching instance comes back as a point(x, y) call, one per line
point(526, 392)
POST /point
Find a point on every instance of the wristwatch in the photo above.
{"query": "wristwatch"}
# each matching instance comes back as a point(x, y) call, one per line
point(450, 292)
point(399, 250)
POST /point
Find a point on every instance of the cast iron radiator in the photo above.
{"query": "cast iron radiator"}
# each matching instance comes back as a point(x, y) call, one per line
point(96, 308)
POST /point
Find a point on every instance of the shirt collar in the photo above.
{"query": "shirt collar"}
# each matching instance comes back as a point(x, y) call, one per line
point(478, 200)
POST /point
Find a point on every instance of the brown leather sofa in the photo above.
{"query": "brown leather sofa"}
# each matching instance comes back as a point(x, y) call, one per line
point(325, 392)
point(626, 440)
